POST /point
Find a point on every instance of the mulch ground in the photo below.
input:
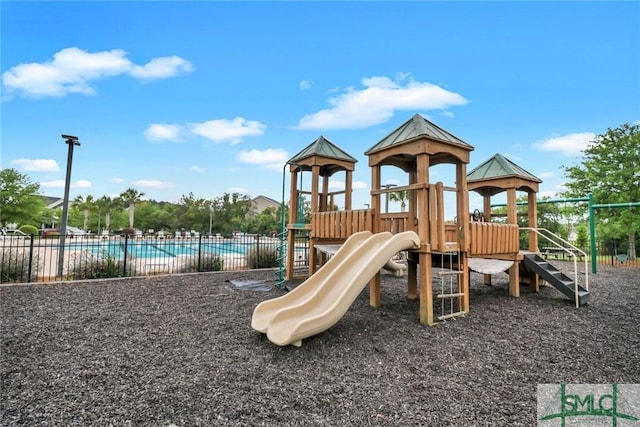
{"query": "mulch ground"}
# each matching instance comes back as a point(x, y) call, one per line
point(179, 351)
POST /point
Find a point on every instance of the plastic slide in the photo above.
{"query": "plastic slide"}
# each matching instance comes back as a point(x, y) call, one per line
point(337, 288)
point(392, 266)
point(263, 313)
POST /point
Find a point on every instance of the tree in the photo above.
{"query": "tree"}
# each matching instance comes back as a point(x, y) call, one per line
point(19, 198)
point(130, 197)
point(400, 196)
point(86, 205)
point(106, 204)
point(609, 170)
point(266, 222)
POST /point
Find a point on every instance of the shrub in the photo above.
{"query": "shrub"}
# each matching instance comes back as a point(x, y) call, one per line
point(262, 257)
point(14, 265)
point(29, 230)
point(87, 265)
point(208, 262)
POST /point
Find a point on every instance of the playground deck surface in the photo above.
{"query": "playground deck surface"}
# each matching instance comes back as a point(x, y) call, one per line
point(179, 351)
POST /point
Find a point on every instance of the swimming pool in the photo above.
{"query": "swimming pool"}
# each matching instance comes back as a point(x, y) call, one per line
point(168, 248)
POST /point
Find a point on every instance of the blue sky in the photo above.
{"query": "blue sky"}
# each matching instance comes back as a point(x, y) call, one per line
point(214, 97)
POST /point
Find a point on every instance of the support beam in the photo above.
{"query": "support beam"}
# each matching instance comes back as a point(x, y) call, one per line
point(426, 289)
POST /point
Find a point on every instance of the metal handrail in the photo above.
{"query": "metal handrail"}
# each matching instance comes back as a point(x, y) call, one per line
point(571, 253)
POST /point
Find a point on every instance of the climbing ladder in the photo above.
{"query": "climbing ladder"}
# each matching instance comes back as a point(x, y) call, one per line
point(449, 276)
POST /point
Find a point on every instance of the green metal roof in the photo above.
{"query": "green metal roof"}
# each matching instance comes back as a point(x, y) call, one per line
point(414, 127)
point(499, 166)
point(324, 148)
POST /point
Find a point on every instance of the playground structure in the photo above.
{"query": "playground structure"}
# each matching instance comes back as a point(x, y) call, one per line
point(440, 252)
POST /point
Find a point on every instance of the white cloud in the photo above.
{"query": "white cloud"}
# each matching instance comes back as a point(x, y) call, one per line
point(227, 130)
point(56, 183)
point(36, 165)
point(159, 68)
point(448, 114)
point(158, 132)
point(197, 169)
point(545, 175)
point(336, 185)
point(305, 85)
point(83, 183)
point(118, 180)
point(355, 185)
point(152, 183)
point(380, 98)
point(271, 158)
point(73, 69)
point(59, 183)
point(568, 145)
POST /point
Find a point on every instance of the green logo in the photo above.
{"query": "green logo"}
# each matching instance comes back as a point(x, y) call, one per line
point(589, 404)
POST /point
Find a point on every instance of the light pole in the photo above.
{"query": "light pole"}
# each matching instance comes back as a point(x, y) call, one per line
point(71, 141)
point(386, 196)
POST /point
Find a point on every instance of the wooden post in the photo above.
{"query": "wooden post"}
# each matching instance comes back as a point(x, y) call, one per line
point(512, 208)
point(422, 165)
point(463, 281)
point(348, 185)
point(325, 203)
point(462, 206)
point(293, 209)
point(426, 289)
point(512, 218)
point(315, 184)
point(514, 280)
point(374, 284)
point(486, 207)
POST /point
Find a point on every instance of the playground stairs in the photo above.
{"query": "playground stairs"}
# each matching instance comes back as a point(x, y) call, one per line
point(556, 278)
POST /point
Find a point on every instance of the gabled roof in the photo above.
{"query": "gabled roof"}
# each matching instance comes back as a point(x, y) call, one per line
point(499, 166)
point(52, 202)
point(266, 199)
point(415, 127)
point(322, 147)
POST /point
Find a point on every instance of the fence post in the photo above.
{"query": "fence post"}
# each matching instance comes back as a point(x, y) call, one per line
point(199, 253)
point(126, 246)
point(30, 259)
point(258, 260)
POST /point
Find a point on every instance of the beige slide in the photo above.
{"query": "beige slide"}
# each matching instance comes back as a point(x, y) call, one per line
point(263, 313)
point(338, 283)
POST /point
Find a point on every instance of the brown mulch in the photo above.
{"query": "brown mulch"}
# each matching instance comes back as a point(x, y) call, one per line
point(179, 351)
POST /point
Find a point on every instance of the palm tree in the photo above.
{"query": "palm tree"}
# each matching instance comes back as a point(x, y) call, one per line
point(130, 197)
point(106, 203)
point(87, 205)
point(400, 196)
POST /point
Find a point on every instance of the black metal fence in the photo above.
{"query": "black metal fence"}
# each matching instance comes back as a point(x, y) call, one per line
point(37, 259)
point(605, 255)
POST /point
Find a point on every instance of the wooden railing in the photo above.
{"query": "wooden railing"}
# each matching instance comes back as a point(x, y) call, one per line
point(396, 222)
point(490, 238)
point(450, 232)
point(340, 224)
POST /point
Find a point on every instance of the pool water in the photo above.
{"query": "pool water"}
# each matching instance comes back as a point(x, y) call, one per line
point(164, 249)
